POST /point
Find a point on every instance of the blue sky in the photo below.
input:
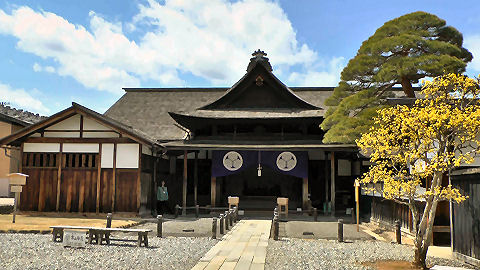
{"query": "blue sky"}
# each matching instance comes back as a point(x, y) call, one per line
point(56, 52)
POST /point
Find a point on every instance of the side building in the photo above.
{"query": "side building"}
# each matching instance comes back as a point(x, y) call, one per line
point(11, 121)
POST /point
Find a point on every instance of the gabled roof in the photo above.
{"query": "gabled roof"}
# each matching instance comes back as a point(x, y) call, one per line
point(127, 131)
point(20, 117)
point(259, 89)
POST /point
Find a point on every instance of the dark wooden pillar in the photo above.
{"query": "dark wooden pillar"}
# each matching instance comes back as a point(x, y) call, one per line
point(332, 182)
point(99, 175)
point(185, 162)
point(326, 176)
point(195, 179)
point(59, 175)
point(114, 175)
point(139, 175)
point(305, 193)
point(154, 182)
point(213, 191)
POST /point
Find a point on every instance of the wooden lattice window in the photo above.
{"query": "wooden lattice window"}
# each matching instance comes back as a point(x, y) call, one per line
point(39, 160)
point(79, 160)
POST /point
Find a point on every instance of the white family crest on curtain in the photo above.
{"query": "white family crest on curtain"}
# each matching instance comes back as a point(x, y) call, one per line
point(286, 161)
point(232, 161)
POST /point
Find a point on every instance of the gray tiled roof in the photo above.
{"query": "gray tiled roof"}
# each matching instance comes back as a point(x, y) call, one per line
point(18, 116)
point(146, 109)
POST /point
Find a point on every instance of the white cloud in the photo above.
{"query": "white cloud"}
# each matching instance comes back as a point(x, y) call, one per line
point(329, 77)
point(472, 43)
point(38, 68)
point(210, 39)
point(20, 98)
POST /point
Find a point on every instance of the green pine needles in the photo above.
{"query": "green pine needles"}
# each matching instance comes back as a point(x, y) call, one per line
point(402, 51)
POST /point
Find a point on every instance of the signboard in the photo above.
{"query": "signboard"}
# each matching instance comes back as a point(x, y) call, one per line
point(74, 239)
point(17, 179)
point(16, 189)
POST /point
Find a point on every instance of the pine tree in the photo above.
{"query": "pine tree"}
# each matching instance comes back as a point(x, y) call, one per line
point(402, 51)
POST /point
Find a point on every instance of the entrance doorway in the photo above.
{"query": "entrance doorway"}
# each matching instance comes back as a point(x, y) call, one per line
point(261, 192)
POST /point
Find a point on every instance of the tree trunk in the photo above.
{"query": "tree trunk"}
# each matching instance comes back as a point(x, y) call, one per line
point(407, 87)
point(423, 237)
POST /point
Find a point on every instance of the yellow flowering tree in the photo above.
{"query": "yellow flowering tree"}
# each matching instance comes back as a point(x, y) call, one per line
point(413, 147)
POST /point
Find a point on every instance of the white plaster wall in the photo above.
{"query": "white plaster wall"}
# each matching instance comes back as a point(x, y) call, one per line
point(127, 155)
point(61, 134)
point(344, 167)
point(90, 124)
point(80, 148)
point(36, 135)
point(100, 134)
point(41, 147)
point(72, 123)
point(107, 156)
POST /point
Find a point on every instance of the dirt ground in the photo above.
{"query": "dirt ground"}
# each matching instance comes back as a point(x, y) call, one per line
point(41, 223)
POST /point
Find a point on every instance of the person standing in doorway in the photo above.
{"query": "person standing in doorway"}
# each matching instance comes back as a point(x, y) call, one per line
point(162, 199)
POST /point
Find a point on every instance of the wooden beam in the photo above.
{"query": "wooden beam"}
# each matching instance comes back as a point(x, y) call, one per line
point(98, 162)
point(332, 182)
point(59, 175)
point(154, 182)
point(185, 171)
point(139, 173)
point(213, 191)
point(78, 140)
point(305, 193)
point(195, 179)
point(114, 175)
point(81, 126)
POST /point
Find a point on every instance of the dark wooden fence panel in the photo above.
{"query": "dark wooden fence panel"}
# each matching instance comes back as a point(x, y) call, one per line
point(39, 193)
point(466, 216)
point(126, 190)
point(106, 190)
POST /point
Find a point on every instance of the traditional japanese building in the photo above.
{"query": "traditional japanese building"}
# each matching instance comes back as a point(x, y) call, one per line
point(257, 140)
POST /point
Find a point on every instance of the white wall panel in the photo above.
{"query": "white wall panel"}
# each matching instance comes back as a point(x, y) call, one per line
point(36, 135)
point(61, 134)
point(80, 148)
point(90, 124)
point(107, 155)
point(72, 123)
point(127, 155)
point(100, 134)
point(41, 147)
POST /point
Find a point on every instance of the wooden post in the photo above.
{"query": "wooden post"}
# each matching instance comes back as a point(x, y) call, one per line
point(305, 194)
point(326, 184)
point(213, 191)
point(332, 182)
point(99, 174)
point(139, 173)
point(81, 126)
point(109, 220)
point(59, 175)
point(114, 176)
point(195, 179)
point(159, 225)
point(154, 182)
point(340, 230)
point(398, 232)
point(185, 170)
point(357, 201)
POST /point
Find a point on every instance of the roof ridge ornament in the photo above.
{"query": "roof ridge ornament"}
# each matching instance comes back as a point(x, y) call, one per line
point(259, 58)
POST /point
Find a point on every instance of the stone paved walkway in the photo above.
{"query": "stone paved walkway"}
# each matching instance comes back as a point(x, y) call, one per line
point(243, 247)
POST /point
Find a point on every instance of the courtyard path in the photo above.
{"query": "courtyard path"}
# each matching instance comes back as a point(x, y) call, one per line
point(243, 247)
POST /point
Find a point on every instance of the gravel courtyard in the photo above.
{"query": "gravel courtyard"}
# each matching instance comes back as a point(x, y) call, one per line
point(35, 251)
point(328, 254)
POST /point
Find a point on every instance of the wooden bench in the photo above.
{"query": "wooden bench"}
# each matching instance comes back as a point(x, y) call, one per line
point(100, 234)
